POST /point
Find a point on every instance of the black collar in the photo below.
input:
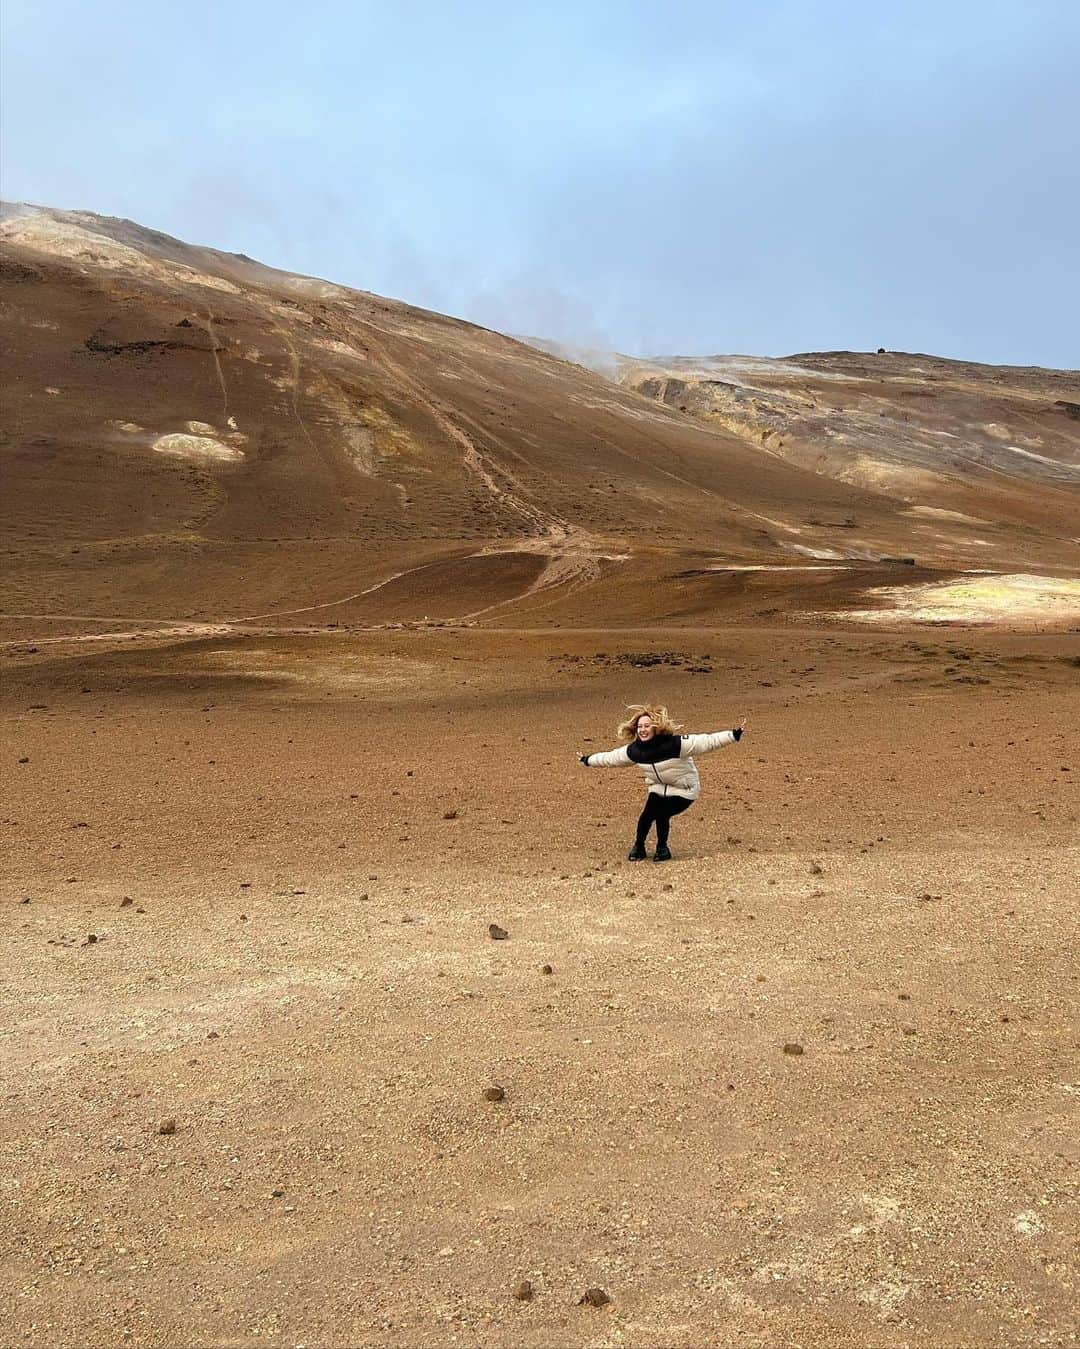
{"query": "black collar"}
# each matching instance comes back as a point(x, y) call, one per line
point(653, 751)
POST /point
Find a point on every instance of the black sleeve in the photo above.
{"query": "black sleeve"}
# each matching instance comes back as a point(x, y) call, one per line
point(584, 759)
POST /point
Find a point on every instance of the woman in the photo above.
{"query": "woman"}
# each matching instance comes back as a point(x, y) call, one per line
point(664, 757)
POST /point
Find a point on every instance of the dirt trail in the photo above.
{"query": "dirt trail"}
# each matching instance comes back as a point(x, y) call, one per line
point(480, 465)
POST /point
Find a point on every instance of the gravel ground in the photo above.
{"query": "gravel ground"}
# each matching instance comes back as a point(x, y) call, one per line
point(815, 1081)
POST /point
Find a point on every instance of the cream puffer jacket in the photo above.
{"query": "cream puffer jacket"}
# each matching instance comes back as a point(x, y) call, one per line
point(666, 760)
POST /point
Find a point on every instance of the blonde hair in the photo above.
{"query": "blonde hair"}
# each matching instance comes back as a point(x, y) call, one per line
point(661, 720)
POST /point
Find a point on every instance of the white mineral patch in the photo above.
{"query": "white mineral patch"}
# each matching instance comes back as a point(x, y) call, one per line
point(201, 428)
point(1045, 459)
point(340, 348)
point(1027, 1224)
point(983, 599)
point(200, 449)
point(204, 279)
point(131, 428)
point(828, 554)
point(779, 566)
point(50, 389)
point(939, 513)
point(37, 230)
point(42, 231)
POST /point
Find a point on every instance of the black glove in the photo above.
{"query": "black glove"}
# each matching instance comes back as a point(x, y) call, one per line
point(737, 733)
point(584, 759)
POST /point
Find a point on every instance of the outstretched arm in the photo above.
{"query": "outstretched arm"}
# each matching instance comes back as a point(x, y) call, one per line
point(702, 744)
point(610, 758)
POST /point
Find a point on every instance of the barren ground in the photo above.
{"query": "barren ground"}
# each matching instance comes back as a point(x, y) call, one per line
point(883, 873)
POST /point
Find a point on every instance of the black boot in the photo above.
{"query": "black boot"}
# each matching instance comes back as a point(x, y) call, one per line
point(637, 853)
point(663, 853)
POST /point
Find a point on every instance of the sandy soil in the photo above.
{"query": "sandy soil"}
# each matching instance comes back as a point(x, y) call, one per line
point(247, 887)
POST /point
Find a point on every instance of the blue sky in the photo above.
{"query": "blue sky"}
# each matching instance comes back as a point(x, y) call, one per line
point(728, 177)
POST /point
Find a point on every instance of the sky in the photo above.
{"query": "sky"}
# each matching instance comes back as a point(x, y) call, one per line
point(694, 179)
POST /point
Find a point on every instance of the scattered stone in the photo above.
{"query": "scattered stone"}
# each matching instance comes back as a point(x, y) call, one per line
point(494, 1094)
point(816, 869)
point(910, 1030)
point(277, 1194)
point(497, 933)
point(450, 815)
point(167, 1125)
point(792, 1048)
point(126, 902)
point(544, 969)
point(524, 1291)
point(593, 1297)
point(213, 1035)
point(25, 899)
point(91, 939)
point(25, 759)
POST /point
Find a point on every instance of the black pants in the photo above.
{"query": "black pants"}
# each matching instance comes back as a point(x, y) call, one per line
point(659, 810)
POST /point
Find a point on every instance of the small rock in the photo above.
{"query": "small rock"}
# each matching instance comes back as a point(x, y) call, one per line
point(792, 1048)
point(277, 1194)
point(497, 933)
point(450, 815)
point(544, 969)
point(593, 1297)
point(524, 1291)
point(126, 902)
point(25, 899)
point(167, 1125)
point(494, 1094)
point(24, 759)
point(91, 939)
point(816, 869)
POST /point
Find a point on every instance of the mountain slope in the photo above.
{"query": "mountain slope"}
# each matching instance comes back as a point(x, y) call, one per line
point(190, 433)
point(999, 440)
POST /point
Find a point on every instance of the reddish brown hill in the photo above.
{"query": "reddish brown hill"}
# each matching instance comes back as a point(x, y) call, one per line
point(191, 434)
